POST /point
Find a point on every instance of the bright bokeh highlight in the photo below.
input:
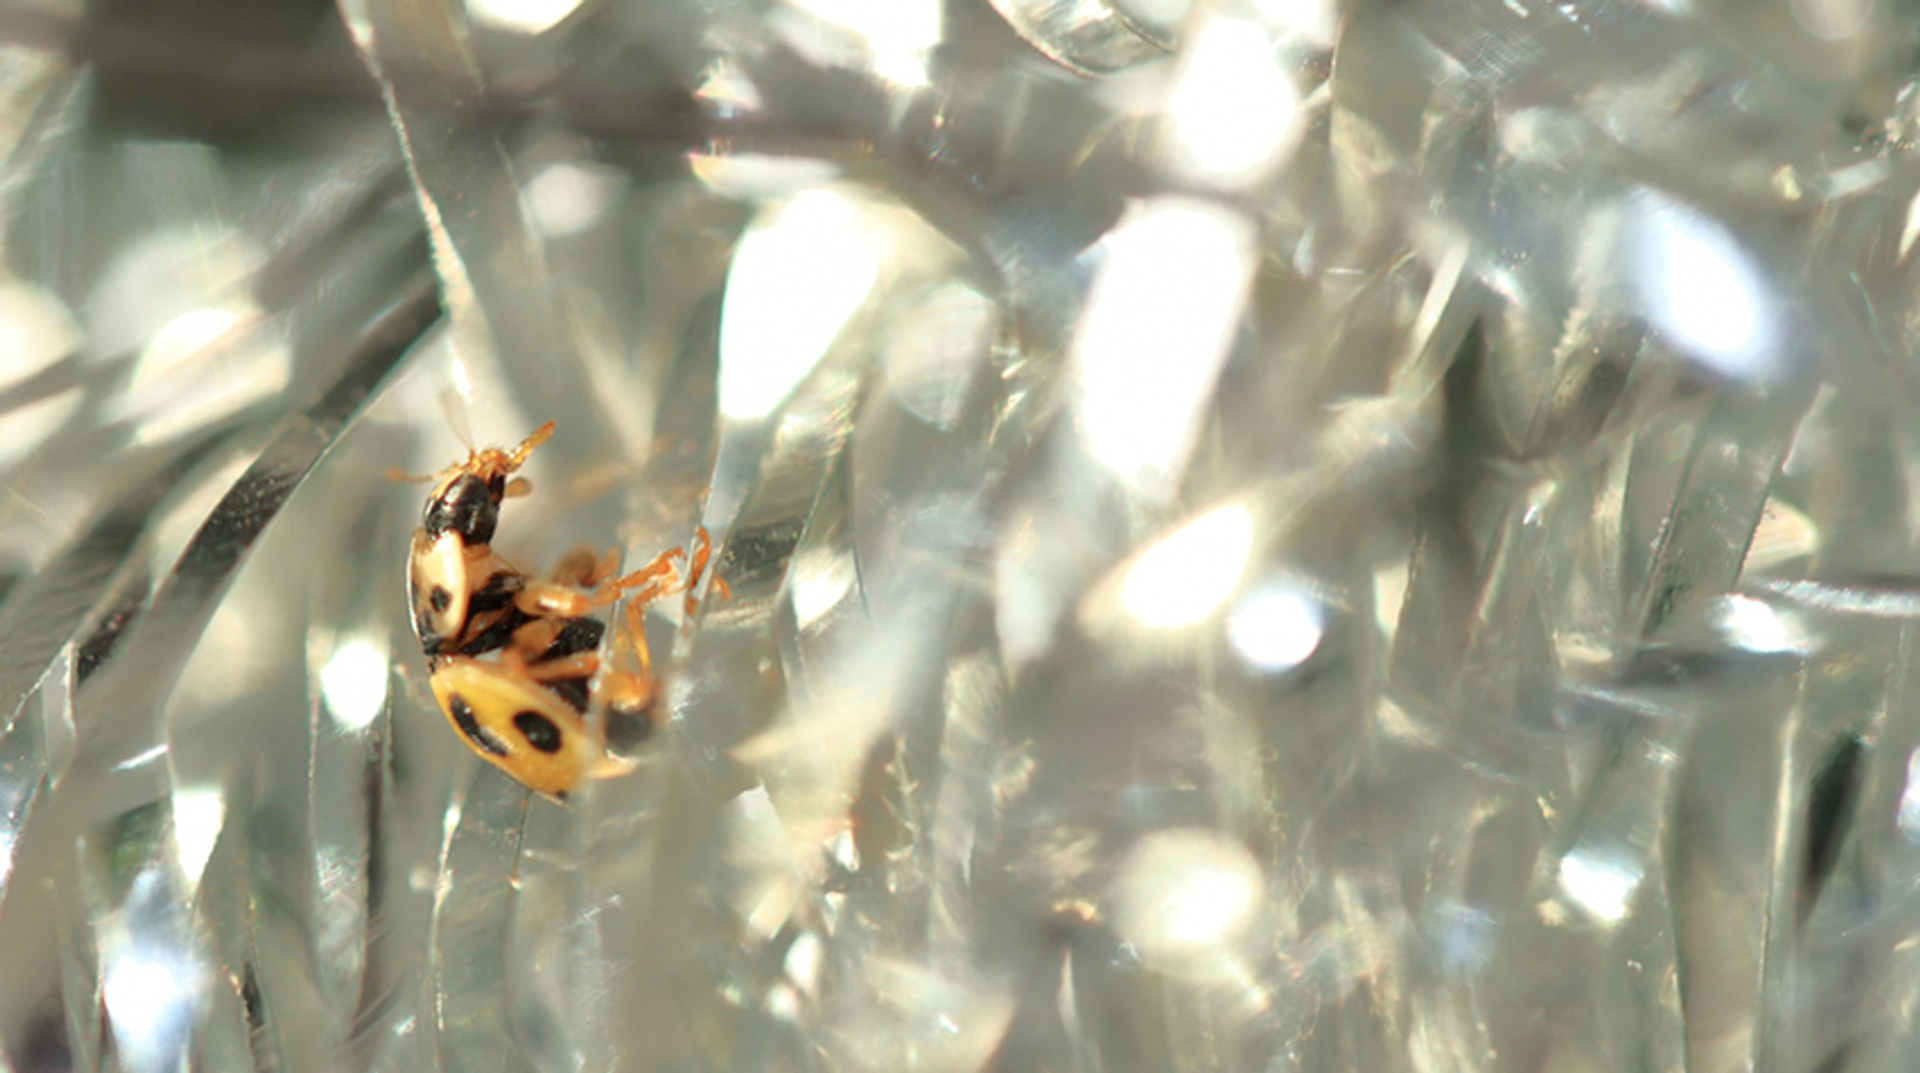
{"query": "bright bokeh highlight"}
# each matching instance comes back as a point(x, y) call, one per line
point(526, 17)
point(1276, 627)
point(1233, 110)
point(1755, 626)
point(1701, 289)
point(1164, 307)
point(354, 684)
point(899, 33)
point(796, 279)
point(36, 330)
point(1185, 892)
point(1598, 883)
point(182, 339)
point(569, 199)
point(1191, 572)
point(199, 815)
point(1908, 815)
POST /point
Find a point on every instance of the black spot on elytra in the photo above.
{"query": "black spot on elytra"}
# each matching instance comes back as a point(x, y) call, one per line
point(430, 641)
point(468, 507)
point(540, 732)
point(469, 726)
point(440, 599)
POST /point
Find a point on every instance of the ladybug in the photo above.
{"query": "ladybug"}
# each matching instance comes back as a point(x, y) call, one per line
point(514, 661)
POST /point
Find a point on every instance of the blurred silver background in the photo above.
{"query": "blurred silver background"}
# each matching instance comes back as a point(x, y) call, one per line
point(1263, 535)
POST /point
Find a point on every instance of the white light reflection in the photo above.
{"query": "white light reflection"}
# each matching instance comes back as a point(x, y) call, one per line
point(760, 176)
point(1908, 817)
point(728, 91)
point(198, 817)
point(1276, 627)
point(1912, 229)
point(142, 758)
point(36, 330)
point(844, 851)
point(1785, 534)
point(1701, 289)
point(1755, 626)
point(783, 1003)
point(163, 275)
point(899, 33)
point(933, 351)
point(25, 427)
point(1233, 110)
point(1599, 884)
point(1208, 905)
point(795, 280)
point(1844, 600)
point(1313, 22)
point(527, 17)
point(1191, 571)
point(1159, 14)
point(150, 999)
point(567, 199)
point(820, 581)
point(203, 364)
point(1184, 892)
point(182, 338)
point(462, 378)
point(354, 684)
point(1462, 937)
point(1833, 20)
point(803, 962)
point(769, 888)
point(1162, 314)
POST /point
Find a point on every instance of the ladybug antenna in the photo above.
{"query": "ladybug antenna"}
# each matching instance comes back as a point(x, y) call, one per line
point(519, 454)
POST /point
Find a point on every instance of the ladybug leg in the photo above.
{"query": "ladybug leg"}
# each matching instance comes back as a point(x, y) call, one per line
point(629, 693)
point(578, 665)
point(544, 599)
point(697, 566)
point(610, 766)
point(646, 584)
point(651, 581)
point(625, 691)
point(634, 689)
point(628, 688)
point(514, 662)
point(633, 638)
point(536, 636)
